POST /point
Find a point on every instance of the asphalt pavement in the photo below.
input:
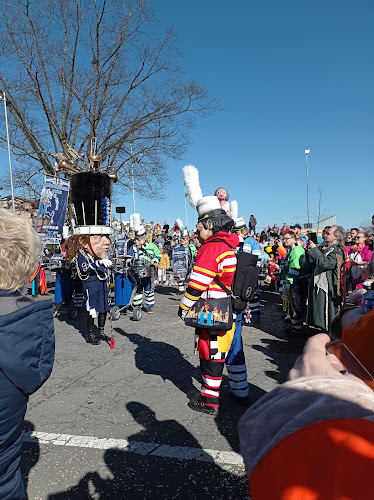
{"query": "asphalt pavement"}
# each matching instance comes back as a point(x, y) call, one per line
point(114, 423)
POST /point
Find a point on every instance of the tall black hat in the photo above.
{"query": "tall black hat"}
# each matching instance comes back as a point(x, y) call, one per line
point(90, 194)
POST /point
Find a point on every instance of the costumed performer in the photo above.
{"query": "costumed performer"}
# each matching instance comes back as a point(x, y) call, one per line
point(235, 361)
point(248, 244)
point(192, 250)
point(27, 344)
point(191, 254)
point(213, 260)
point(88, 247)
point(149, 252)
point(223, 197)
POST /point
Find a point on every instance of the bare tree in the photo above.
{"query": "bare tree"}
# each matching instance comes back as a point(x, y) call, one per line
point(76, 69)
point(320, 215)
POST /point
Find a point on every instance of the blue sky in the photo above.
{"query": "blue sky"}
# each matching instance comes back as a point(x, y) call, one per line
point(291, 75)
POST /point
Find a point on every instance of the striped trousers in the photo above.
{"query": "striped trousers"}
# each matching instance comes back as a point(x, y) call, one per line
point(211, 373)
point(149, 294)
point(211, 365)
point(254, 305)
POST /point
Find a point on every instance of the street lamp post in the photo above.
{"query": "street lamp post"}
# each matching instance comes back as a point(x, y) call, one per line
point(307, 151)
point(132, 179)
point(7, 137)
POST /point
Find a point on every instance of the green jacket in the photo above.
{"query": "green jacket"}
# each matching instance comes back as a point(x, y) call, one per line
point(192, 250)
point(293, 264)
point(153, 252)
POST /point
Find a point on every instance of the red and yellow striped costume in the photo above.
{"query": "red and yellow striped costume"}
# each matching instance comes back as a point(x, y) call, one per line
point(213, 259)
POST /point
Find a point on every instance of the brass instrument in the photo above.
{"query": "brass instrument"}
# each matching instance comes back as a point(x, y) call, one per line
point(67, 163)
point(95, 161)
point(114, 177)
point(289, 300)
point(66, 167)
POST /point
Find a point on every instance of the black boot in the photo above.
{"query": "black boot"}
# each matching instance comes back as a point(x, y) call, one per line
point(91, 338)
point(101, 335)
point(101, 321)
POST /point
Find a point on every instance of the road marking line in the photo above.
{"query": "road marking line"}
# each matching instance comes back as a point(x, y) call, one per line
point(152, 449)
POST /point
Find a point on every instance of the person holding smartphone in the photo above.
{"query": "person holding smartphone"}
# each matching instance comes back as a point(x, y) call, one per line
point(325, 287)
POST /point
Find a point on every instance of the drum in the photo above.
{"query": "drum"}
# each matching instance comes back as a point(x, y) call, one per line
point(122, 290)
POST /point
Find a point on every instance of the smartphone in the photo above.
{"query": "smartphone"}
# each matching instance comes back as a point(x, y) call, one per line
point(313, 237)
point(350, 362)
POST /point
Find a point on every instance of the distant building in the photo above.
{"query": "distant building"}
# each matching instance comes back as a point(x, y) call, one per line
point(27, 209)
point(316, 226)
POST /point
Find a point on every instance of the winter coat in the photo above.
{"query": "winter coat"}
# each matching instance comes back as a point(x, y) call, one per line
point(27, 346)
point(322, 306)
point(164, 262)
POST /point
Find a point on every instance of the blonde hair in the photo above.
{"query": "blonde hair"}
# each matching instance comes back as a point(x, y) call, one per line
point(242, 231)
point(20, 247)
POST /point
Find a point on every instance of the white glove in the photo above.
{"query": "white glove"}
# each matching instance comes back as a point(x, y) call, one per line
point(105, 262)
point(182, 313)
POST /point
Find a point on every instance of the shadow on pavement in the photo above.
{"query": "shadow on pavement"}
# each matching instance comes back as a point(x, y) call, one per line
point(169, 475)
point(166, 290)
point(283, 349)
point(30, 453)
point(166, 361)
point(79, 322)
point(159, 358)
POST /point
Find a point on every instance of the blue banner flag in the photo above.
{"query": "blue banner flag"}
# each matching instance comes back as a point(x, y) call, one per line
point(180, 260)
point(52, 209)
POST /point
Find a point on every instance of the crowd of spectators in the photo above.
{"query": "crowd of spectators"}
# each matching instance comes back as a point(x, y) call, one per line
point(330, 269)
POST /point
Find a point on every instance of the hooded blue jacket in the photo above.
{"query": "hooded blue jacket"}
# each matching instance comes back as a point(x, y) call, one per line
point(27, 346)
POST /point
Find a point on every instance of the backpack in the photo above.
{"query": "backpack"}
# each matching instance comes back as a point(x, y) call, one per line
point(245, 278)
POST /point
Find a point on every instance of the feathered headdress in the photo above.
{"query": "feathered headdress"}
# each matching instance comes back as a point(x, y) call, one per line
point(234, 209)
point(180, 224)
point(192, 184)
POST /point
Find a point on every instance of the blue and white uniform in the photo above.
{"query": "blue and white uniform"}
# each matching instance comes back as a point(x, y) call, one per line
point(149, 252)
point(235, 360)
point(250, 245)
point(94, 279)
